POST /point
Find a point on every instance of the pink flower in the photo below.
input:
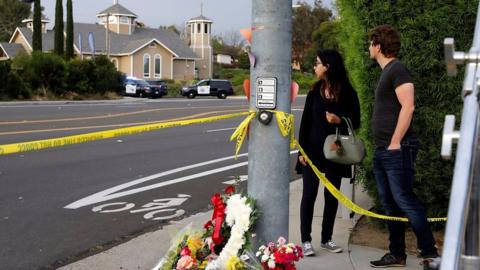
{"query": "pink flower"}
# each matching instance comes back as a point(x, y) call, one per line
point(281, 241)
point(185, 252)
point(186, 263)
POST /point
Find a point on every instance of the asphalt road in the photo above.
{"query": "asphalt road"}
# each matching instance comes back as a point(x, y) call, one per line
point(60, 204)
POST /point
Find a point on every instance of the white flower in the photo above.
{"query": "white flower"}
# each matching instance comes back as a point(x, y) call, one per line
point(238, 217)
point(265, 258)
point(258, 254)
point(271, 264)
point(281, 240)
point(289, 250)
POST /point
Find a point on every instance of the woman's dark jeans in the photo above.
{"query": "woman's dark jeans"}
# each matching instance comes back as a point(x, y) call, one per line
point(395, 173)
point(309, 195)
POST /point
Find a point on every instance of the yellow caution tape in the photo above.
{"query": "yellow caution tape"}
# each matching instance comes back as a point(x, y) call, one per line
point(99, 135)
point(346, 201)
point(285, 122)
point(241, 132)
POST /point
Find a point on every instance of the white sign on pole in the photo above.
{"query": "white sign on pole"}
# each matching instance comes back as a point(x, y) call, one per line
point(266, 93)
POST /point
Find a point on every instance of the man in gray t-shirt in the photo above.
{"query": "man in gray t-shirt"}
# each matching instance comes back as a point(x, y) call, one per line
point(396, 151)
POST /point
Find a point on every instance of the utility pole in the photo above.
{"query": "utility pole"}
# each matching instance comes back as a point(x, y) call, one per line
point(107, 37)
point(268, 150)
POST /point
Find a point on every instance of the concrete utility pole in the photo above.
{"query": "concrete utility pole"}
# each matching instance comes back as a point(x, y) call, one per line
point(269, 158)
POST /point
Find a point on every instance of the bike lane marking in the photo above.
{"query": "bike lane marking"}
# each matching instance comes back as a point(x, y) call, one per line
point(116, 192)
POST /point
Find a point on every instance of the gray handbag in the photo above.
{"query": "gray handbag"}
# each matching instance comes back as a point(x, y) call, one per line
point(344, 149)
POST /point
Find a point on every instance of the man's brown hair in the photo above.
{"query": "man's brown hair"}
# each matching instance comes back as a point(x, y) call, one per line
point(387, 37)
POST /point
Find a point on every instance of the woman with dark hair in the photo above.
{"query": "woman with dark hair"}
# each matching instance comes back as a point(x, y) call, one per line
point(331, 98)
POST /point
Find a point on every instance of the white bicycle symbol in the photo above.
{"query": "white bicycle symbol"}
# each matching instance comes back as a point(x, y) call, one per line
point(156, 210)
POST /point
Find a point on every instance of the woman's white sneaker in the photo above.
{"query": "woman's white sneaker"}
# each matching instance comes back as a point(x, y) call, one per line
point(332, 247)
point(308, 249)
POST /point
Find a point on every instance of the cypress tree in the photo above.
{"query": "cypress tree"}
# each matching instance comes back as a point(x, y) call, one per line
point(37, 26)
point(59, 38)
point(69, 40)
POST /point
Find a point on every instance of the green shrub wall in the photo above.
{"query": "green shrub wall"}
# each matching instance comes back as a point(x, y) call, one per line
point(423, 25)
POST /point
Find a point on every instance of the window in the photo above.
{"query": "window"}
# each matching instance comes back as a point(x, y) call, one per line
point(124, 20)
point(206, 28)
point(115, 62)
point(158, 66)
point(146, 65)
point(199, 28)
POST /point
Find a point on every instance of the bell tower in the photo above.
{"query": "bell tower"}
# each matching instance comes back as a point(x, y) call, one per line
point(200, 30)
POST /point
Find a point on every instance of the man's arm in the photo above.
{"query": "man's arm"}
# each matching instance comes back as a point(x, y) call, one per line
point(405, 95)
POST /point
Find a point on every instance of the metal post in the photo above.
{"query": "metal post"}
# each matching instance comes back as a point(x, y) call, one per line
point(268, 166)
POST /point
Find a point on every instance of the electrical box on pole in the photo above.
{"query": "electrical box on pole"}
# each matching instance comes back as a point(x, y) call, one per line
point(268, 150)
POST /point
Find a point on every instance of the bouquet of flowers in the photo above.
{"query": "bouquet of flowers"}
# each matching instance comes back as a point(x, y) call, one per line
point(280, 256)
point(225, 237)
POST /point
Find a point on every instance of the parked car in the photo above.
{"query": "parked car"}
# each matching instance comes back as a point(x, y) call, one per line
point(210, 87)
point(157, 89)
point(136, 87)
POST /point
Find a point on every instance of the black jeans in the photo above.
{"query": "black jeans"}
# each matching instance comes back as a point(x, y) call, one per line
point(309, 195)
point(395, 173)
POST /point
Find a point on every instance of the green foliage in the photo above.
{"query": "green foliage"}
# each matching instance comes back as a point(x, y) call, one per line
point(13, 86)
point(436, 95)
point(304, 80)
point(12, 12)
point(324, 37)
point(107, 78)
point(37, 26)
point(42, 71)
point(49, 74)
point(59, 38)
point(81, 76)
point(69, 38)
point(304, 22)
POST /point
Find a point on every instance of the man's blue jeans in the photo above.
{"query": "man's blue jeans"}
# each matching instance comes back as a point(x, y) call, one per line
point(395, 173)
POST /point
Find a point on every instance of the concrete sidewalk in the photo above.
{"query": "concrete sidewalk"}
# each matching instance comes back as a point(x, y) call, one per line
point(144, 252)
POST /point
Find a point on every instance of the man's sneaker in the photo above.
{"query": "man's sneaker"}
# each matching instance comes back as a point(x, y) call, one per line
point(388, 260)
point(431, 263)
point(308, 249)
point(332, 247)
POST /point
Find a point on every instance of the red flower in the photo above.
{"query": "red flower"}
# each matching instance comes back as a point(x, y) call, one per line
point(185, 252)
point(230, 190)
point(208, 225)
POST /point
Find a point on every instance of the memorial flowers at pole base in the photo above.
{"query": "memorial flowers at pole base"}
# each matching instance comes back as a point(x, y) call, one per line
point(279, 256)
point(225, 237)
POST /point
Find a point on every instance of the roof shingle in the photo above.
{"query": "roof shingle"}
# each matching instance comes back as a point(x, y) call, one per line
point(117, 9)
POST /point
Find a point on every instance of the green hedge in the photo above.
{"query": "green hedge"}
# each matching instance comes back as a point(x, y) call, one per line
point(422, 31)
point(49, 75)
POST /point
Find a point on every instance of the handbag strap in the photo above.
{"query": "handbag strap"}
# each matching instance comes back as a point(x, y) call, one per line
point(351, 132)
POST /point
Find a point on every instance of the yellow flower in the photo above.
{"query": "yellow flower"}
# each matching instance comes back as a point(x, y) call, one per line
point(234, 263)
point(203, 265)
point(194, 242)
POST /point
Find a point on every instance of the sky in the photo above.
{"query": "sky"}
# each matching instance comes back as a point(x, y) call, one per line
point(227, 15)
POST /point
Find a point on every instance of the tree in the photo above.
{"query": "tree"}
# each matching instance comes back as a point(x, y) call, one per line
point(59, 38)
point(69, 39)
point(422, 52)
point(305, 20)
point(324, 37)
point(12, 12)
point(37, 26)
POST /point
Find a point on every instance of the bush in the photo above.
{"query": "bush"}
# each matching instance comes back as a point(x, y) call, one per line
point(107, 78)
point(13, 86)
point(81, 76)
point(423, 31)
